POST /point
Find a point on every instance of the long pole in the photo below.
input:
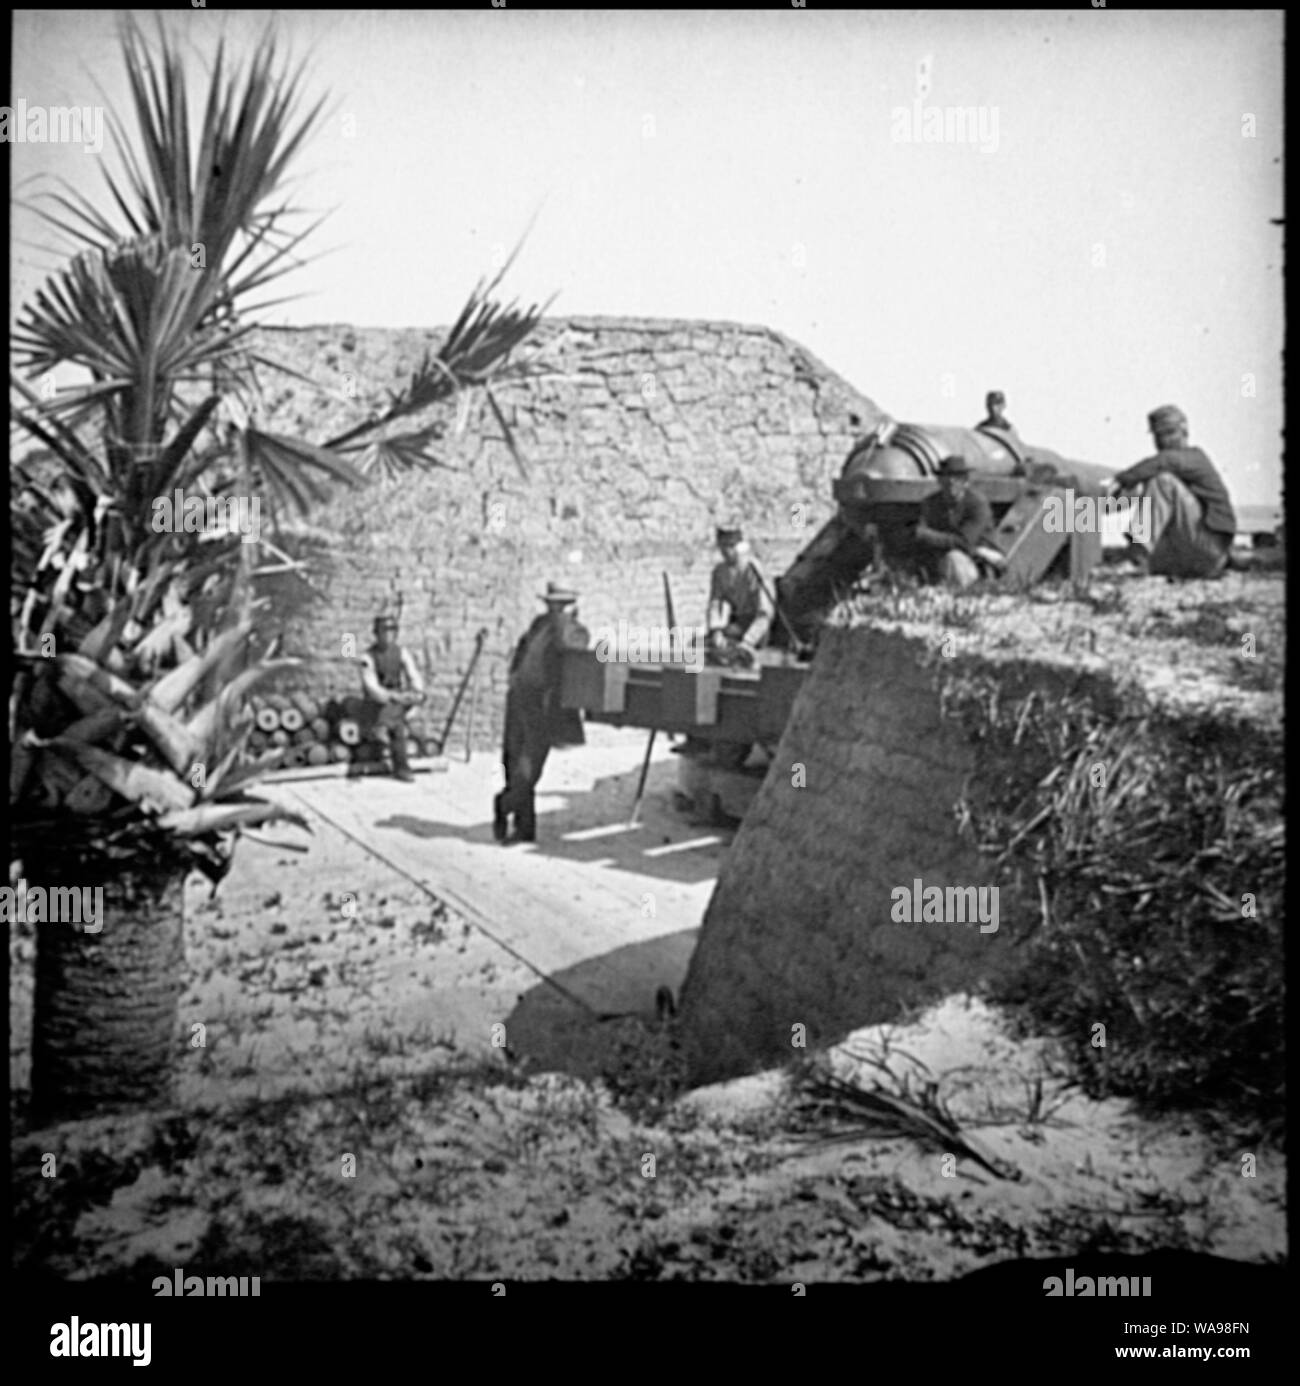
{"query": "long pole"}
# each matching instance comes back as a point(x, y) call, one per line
point(645, 770)
point(464, 683)
point(650, 743)
point(796, 645)
point(473, 708)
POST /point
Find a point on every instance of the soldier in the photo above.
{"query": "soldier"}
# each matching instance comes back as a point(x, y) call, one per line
point(740, 602)
point(1192, 523)
point(954, 536)
point(392, 683)
point(995, 402)
point(535, 721)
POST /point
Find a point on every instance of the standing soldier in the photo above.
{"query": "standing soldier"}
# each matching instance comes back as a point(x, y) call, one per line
point(535, 721)
point(741, 608)
point(393, 685)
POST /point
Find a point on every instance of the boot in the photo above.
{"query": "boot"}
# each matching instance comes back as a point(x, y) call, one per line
point(500, 819)
point(401, 764)
point(526, 824)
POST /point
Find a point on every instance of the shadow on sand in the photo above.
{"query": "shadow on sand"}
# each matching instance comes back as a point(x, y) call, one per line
point(592, 827)
point(568, 1023)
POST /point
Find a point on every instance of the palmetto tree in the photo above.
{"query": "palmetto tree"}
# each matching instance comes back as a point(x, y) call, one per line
point(137, 649)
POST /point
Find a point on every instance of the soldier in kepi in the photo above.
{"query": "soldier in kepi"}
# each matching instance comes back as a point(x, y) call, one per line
point(954, 536)
point(741, 607)
point(392, 683)
point(995, 402)
point(535, 720)
point(1192, 523)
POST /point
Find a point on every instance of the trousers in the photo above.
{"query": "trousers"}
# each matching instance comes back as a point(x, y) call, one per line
point(392, 717)
point(958, 569)
point(527, 745)
point(1180, 545)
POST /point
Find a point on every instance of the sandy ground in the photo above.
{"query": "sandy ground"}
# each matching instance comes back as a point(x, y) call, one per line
point(351, 992)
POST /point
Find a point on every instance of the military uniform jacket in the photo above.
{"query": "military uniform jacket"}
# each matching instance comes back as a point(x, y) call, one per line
point(739, 596)
point(1195, 470)
point(960, 524)
point(394, 669)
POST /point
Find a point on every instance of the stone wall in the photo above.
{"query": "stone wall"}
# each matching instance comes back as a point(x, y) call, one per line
point(799, 929)
point(636, 436)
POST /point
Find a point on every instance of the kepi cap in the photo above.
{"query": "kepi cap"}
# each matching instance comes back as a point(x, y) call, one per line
point(386, 623)
point(1167, 416)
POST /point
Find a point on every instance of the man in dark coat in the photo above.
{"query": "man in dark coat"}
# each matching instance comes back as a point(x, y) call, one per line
point(535, 721)
point(954, 536)
point(1192, 523)
point(392, 683)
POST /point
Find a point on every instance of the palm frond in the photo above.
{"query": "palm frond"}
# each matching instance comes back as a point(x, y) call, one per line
point(220, 818)
point(287, 466)
point(391, 458)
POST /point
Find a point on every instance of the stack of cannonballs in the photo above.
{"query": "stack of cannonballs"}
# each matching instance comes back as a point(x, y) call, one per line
point(312, 732)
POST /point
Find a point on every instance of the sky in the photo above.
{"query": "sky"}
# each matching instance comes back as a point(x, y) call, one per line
point(1093, 234)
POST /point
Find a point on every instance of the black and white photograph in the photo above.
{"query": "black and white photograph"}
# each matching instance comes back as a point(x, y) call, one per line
point(647, 664)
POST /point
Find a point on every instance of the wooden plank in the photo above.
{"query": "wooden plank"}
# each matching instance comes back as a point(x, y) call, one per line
point(1021, 535)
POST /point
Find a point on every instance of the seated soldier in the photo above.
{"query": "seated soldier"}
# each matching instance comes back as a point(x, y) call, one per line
point(391, 681)
point(740, 602)
point(1192, 523)
point(954, 537)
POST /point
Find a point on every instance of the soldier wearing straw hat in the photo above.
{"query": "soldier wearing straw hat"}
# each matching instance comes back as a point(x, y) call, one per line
point(954, 535)
point(535, 721)
point(1192, 523)
point(392, 683)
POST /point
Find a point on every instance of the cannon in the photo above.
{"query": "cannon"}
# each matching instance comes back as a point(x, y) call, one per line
point(887, 475)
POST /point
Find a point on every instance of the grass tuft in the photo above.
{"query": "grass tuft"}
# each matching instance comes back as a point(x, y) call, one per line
point(1147, 855)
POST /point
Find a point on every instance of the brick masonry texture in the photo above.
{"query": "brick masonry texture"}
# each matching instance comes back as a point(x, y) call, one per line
point(636, 435)
point(798, 930)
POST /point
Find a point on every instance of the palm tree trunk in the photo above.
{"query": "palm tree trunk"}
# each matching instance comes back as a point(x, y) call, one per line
point(106, 1004)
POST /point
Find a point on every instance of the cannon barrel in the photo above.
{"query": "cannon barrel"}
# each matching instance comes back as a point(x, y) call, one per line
point(900, 468)
point(879, 491)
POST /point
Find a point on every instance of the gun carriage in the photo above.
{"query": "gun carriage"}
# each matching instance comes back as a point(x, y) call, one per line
point(886, 476)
